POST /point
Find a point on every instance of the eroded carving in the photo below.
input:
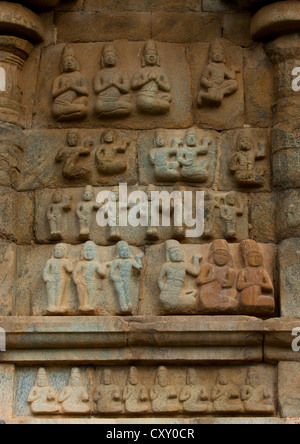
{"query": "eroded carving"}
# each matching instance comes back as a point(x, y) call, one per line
point(218, 80)
point(43, 398)
point(243, 163)
point(257, 397)
point(70, 89)
point(121, 272)
point(163, 159)
point(152, 84)
point(226, 395)
point(136, 396)
point(230, 209)
point(55, 214)
point(175, 298)
point(164, 396)
point(194, 397)
point(74, 398)
point(85, 210)
point(108, 396)
point(111, 154)
point(70, 157)
point(112, 86)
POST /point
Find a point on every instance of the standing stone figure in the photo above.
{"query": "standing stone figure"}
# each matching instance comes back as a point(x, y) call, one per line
point(112, 86)
point(42, 397)
point(70, 89)
point(163, 158)
point(152, 83)
point(74, 398)
point(242, 163)
point(71, 155)
point(209, 215)
point(111, 155)
point(174, 297)
point(254, 282)
point(55, 214)
point(217, 80)
point(193, 168)
point(230, 209)
point(136, 396)
point(56, 275)
point(108, 396)
point(86, 275)
point(164, 396)
point(226, 396)
point(121, 274)
point(85, 210)
point(195, 398)
point(257, 398)
point(217, 280)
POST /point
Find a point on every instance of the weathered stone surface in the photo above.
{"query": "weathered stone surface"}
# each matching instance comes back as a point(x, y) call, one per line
point(230, 114)
point(262, 213)
point(21, 21)
point(279, 339)
point(237, 28)
point(288, 389)
point(8, 262)
point(7, 377)
point(289, 271)
point(143, 5)
point(173, 63)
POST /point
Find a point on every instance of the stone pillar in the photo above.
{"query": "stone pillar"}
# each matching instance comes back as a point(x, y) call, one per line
point(279, 25)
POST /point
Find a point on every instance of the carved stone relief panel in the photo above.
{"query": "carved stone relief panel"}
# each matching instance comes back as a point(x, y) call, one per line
point(8, 261)
point(218, 91)
point(212, 279)
point(187, 156)
point(140, 391)
point(245, 161)
point(68, 158)
point(136, 80)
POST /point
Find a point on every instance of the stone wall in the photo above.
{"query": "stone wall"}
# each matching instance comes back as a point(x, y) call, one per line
point(148, 323)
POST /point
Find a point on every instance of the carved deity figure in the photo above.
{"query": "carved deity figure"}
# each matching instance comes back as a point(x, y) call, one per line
point(257, 398)
point(226, 396)
point(42, 397)
point(230, 209)
point(164, 160)
point(112, 86)
point(70, 89)
point(108, 396)
point(164, 396)
point(121, 273)
point(242, 163)
point(111, 155)
point(209, 214)
point(85, 210)
point(56, 275)
point(86, 275)
point(217, 280)
point(193, 168)
point(174, 297)
point(71, 155)
point(55, 214)
point(217, 80)
point(195, 398)
point(152, 84)
point(74, 398)
point(254, 282)
point(136, 396)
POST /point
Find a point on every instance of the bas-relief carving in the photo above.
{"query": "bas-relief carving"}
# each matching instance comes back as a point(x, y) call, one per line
point(70, 89)
point(112, 86)
point(164, 391)
point(55, 214)
point(85, 210)
point(111, 154)
point(151, 83)
point(218, 79)
point(70, 157)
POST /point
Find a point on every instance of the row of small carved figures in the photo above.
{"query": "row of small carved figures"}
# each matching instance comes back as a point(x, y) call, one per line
point(163, 397)
point(217, 279)
point(153, 87)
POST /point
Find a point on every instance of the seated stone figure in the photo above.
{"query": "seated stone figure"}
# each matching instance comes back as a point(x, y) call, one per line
point(193, 168)
point(257, 398)
point(242, 164)
point(111, 155)
point(108, 396)
point(152, 83)
point(164, 396)
point(217, 281)
point(136, 396)
point(194, 397)
point(254, 282)
point(226, 396)
point(175, 298)
point(70, 90)
point(70, 156)
point(112, 86)
point(74, 398)
point(163, 158)
point(217, 80)
point(42, 397)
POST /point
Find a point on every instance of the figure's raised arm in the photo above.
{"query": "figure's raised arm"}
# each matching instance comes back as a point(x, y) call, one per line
point(194, 269)
point(163, 83)
point(162, 277)
point(205, 79)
